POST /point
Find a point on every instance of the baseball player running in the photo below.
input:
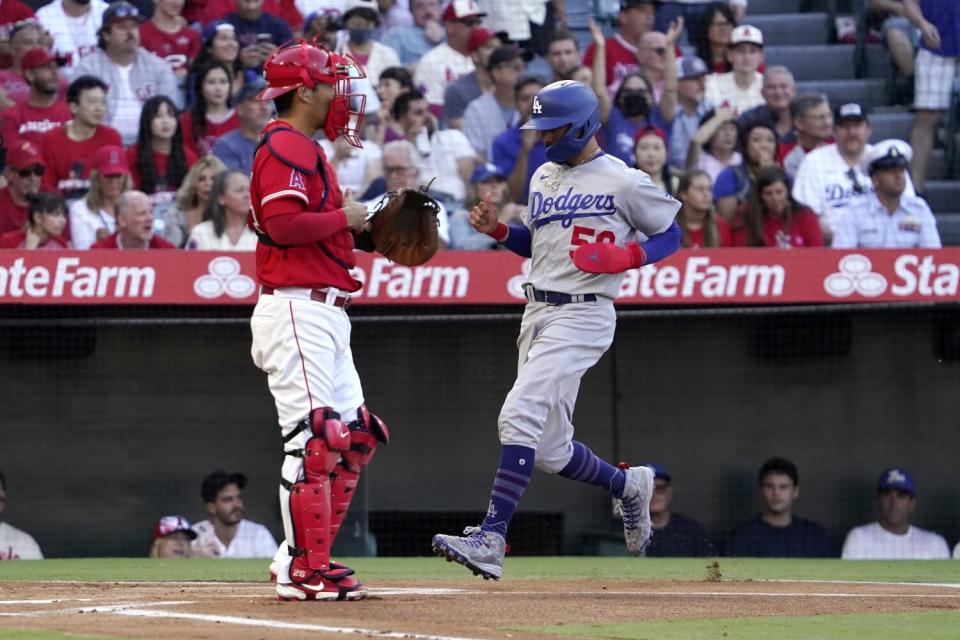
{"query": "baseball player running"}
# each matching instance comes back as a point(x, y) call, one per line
point(590, 207)
point(301, 332)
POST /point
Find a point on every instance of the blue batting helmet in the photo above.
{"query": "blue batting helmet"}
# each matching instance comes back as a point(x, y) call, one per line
point(566, 103)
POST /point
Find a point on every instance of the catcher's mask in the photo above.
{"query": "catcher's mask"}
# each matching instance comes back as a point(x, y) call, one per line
point(300, 63)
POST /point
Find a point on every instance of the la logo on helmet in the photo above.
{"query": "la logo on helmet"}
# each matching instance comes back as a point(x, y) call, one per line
point(536, 105)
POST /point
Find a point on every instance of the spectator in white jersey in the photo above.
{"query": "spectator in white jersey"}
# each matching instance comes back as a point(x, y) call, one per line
point(892, 537)
point(887, 218)
point(132, 73)
point(448, 60)
point(742, 88)
point(14, 543)
point(73, 25)
point(226, 534)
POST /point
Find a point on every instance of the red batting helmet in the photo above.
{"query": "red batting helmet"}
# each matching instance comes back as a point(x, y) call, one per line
point(300, 63)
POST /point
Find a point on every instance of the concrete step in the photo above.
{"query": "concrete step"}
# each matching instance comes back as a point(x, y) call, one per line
point(891, 125)
point(948, 224)
point(871, 93)
point(943, 195)
point(790, 28)
point(758, 7)
point(826, 61)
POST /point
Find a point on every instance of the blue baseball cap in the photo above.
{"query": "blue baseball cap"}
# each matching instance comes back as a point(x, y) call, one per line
point(896, 478)
point(486, 171)
point(659, 471)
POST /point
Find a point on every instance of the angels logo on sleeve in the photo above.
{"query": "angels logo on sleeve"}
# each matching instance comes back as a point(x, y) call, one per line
point(296, 180)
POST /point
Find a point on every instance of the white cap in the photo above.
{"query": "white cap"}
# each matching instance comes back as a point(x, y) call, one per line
point(888, 153)
point(350, 5)
point(746, 33)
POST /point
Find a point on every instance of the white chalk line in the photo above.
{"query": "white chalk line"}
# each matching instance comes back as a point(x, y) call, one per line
point(105, 608)
point(941, 585)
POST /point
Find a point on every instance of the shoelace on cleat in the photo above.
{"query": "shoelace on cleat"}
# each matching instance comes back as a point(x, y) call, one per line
point(631, 512)
point(474, 537)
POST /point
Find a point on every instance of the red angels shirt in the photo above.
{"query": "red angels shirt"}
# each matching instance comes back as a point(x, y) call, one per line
point(723, 232)
point(804, 231)
point(204, 145)
point(178, 49)
point(621, 58)
point(160, 162)
point(26, 122)
point(305, 265)
point(16, 240)
point(112, 242)
point(218, 9)
point(13, 217)
point(69, 162)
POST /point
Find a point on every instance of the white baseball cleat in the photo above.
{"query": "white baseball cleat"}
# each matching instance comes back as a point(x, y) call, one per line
point(634, 507)
point(480, 551)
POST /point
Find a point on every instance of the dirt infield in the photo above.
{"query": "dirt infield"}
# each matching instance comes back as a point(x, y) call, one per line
point(447, 610)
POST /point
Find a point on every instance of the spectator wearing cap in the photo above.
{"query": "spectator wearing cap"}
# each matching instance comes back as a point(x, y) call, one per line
point(236, 147)
point(650, 156)
point(258, 32)
point(14, 543)
point(74, 27)
point(632, 109)
point(691, 107)
point(158, 160)
point(168, 35)
point(45, 227)
point(132, 73)
point(448, 60)
point(134, 219)
point(757, 141)
point(219, 44)
point(226, 534)
point(741, 88)
point(23, 172)
point(830, 177)
point(172, 536)
point(470, 86)
point(886, 218)
point(674, 535)
point(488, 180)
point(771, 218)
point(412, 42)
point(700, 226)
point(495, 110)
point(43, 110)
point(12, 12)
point(519, 153)
point(23, 37)
point(892, 537)
point(813, 122)
point(779, 90)
point(635, 19)
point(322, 26)
point(93, 217)
point(563, 53)
point(777, 532)
point(936, 70)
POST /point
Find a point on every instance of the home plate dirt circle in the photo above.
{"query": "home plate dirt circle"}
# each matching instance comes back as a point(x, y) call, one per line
point(432, 610)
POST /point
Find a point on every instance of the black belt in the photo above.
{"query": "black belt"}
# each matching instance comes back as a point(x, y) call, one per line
point(553, 298)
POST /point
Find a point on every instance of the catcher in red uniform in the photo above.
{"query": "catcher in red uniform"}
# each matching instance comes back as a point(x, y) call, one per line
point(301, 333)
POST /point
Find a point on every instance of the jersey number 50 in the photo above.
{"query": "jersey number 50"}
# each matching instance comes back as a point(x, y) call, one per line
point(585, 235)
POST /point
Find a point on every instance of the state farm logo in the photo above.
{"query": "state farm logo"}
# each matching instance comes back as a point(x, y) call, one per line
point(855, 276)
point(224, 277)
point(515, 284)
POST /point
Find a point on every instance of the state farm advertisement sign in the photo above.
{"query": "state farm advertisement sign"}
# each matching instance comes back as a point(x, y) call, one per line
point(724, 276)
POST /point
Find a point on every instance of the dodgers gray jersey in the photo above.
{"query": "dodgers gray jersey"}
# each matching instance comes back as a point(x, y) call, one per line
point(602, 200)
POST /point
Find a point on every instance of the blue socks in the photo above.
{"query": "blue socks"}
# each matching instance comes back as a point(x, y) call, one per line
point(513, 476)
point(585, 466)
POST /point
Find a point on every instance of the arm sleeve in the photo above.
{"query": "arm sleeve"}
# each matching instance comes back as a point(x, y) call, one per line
point(519, 240)
point(287, 223)
point(661, 245)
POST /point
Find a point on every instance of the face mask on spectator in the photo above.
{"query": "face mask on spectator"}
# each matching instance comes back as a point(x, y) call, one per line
point(634, 103)
point(360, 36)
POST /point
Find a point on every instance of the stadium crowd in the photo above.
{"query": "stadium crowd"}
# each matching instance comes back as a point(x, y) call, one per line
point(133, 124)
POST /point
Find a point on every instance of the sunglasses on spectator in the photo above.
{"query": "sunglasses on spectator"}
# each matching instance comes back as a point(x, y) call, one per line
point(392, 170)
point(471, 22)
point(36, 170)
point(658, 50)
point(124, 11)
point(857, 187)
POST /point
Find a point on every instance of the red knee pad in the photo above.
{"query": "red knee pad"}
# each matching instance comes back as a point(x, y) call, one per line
point(365, 433)
point(330, 438)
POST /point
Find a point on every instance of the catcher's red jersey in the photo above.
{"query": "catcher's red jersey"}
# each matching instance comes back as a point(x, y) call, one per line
point(305, 265)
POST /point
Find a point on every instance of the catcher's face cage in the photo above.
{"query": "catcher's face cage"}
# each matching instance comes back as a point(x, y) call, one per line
point(345, 114)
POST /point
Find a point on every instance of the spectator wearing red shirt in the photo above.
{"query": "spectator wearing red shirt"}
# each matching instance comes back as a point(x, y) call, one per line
point(24, 168)
point(211, 115)
point(168, 35)
point(636, 18)
point(134, 225)
point(159, 161)
point(42, 111)
point(773, 219)
point(699, 224)
point(23, 37)
point(68, 151)
point(93, 216)
point(47, 223)
point(711, 36)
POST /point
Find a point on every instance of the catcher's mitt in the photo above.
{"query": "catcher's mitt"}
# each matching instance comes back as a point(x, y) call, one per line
point(405, 227)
